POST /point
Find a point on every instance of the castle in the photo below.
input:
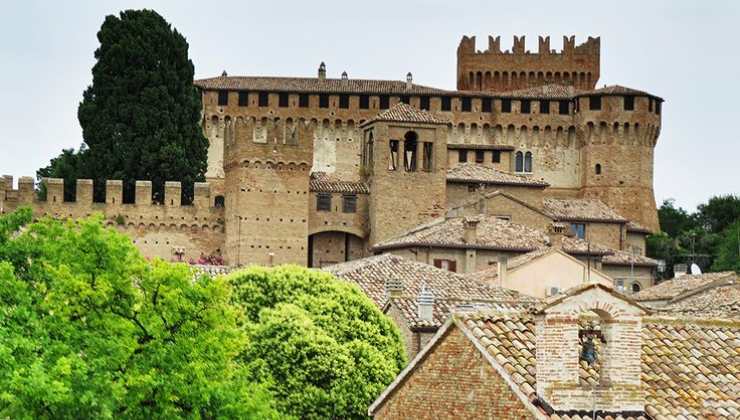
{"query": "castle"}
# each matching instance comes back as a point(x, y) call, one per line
point(320, 170)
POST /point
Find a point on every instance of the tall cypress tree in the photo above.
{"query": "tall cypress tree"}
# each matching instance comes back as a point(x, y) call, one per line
point(140, 117)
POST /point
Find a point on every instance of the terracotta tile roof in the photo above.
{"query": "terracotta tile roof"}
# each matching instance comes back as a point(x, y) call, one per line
point(614, 90)
point(576, 246)
point(501, 300)
point(551, 91)
point(669, 289)
point(323, 182)
point(721, 301)
point(638, 228)
point(689, 369)
point(587, 210)
point(626, 258)
point(315, 85)
point(471, 172)
point(402, 112)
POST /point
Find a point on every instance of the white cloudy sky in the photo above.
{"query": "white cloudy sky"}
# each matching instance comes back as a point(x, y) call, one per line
point(684, 51)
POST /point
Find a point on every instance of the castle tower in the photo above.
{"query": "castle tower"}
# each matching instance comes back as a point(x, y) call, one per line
point(618, 131)
point(267, 171)
point(404, 159)
point(496, 71)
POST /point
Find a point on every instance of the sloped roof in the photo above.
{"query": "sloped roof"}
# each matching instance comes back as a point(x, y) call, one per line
point(405, 113)
point(323, 182)
point(471, 172)
point(722, 301)
point(586, 210)
point(616, 90)
point(618, 257)
point(551, 91)
point(669, 289)
point(638, 228)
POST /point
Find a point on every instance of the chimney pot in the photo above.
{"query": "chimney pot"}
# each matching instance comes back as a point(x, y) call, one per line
point(503, 269)
point(409, 80)
point(393, 287)
point(470, 227)
point(425, 303)
point(344, 75)
point(322, 71)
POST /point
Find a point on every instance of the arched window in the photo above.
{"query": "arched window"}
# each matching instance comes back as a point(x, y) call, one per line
point(409, 151)
point(528, 162)
point(519, 166)
point(219, 202)
point(636, 287)
point(598, 169)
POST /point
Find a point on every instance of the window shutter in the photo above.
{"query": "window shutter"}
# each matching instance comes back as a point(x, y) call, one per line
point(453, 266)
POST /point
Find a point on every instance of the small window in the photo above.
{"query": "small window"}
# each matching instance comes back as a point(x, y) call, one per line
point(349, 203)
point(519, 162)
point(344, 101)
point(465, 104)
point(303, 100)
point(462, 155)
point(323, 101)
point(405, 99)
point(393, 155)
point(506, 105)
point(283, 100)
point(410, 145)
point(564, 108)
point(658, 106)
point(243, 98)
point(496, 156)
point(629, 103)
point(650, 104)
point(619, 285)
point(579, 229)
point(449, 265)
point(384, 101)
point(446, 103)
point(594, 103)
point(424, 103)
point(364, 101)
point(544, 107)
point(428, 163)
point(485, 104)
point(264, 99)
point(636, 287)
point(223, 97)
point(528, 162)
point(526, 106)
point(323, 202)
point(219, 202)
point(480, 156)
point(597, 169)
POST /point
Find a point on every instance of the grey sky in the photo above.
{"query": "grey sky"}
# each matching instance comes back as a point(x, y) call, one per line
point(685, 52)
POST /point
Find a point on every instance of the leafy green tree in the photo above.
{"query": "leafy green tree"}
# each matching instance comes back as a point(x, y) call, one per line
point(674, 220)
point(728, 249)
point(719, 212)
point(89, 329)
point(318, 343)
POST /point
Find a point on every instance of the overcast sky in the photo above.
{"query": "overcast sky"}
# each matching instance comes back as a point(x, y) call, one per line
point(686, 52)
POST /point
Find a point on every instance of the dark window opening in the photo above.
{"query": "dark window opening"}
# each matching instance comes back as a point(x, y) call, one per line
point(579, 229)
point(424, 103)
point(223, 97)
point(462, 155)
point(243, 98)
point(393, 155)
point(384, 101)
point(519, 162)
point(528, 162)
point(283, 100)
point(480, 156)
point(220, 202)
point(364, 102)
point(409, 151)
point(264, 99)
point(544, 107)
point(526, 106)
point(405, 99)
point(465, 104)
point(486, 104)
point(597, 169)
point(496, 156)
point(629, 103)
point(323, 202)
point(506, 105)
point(658, 106)
point(564, 107)
point(449, 265)
point(303, 100)
point(650, 104)
point(636, 287)
point(595, 103)
point(446, 103)
point(349, 203)
point(428, 156)
point(323, 101)
point(344, 101)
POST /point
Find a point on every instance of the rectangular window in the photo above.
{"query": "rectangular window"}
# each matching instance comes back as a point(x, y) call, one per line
point(594, 103)
point(405, 99)
point(264, 98)
point(303, 100)
point(223, 97)
point(650, 104)
point(446, 103)
point(544, 107)
point(506, 105)
point(579, 229)
point(486, 104)
point(384, 101)
point(424, 103)
point(323, 202)
point(564, 107)
point(323, 101)
point(465, 104)
point(658, 105)
point(462, 155)
point(480, 156)
point(349, 203)
point(283, 100)
point(393, 155)
point(449, 265)
point(496, 156)
point(629, 103)
point(344, 101)
point(364, 102)
point(526, 106)
point(428, 156)
point(243, 98)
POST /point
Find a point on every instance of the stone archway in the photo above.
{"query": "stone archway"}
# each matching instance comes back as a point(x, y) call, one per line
point(333, 246)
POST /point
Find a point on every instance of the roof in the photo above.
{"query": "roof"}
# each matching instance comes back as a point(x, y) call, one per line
point(405, 113)
point(721, 301)
point(323, 182)
point(637, 228)
point(669, 289)
point(616, 90)
point(551, 91)
point(581, 210)
point(472, 172)
point(618, 257)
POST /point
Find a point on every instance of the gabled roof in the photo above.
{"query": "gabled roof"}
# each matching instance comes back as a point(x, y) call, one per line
point(637, 228)
point(323, 182)
point(624, 258)
point(551, 91)
point(404, 113)
point(581, 210)
point(474, 201)
point(616, 90)
point(668, 289)
point(717, 301)
point(577, 290)
point(479, 174)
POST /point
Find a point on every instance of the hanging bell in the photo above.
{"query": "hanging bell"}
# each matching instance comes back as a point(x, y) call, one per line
point(588, 351)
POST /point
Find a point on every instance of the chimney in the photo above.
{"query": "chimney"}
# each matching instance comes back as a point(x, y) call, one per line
point(425, 303)
point(409, 79)
point(344, 76)
point(503, 268)
point(557, 231)
point(224, 74)
point(470, 227)
point(393, 288)
point(322, 71)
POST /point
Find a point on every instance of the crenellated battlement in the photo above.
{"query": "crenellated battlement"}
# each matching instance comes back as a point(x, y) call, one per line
point(592, 46)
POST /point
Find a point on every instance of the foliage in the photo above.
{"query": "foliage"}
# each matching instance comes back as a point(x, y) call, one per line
point(89, 329)
point(140, 117)
point(728, 249)
point(719, 213)
point(674, 220)
point(70, 166)
point(319, 344)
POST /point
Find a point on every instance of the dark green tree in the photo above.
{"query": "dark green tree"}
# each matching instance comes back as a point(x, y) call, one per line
point(70, 165)
point(674, 220)
point(728, 249)
point(720, 212)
